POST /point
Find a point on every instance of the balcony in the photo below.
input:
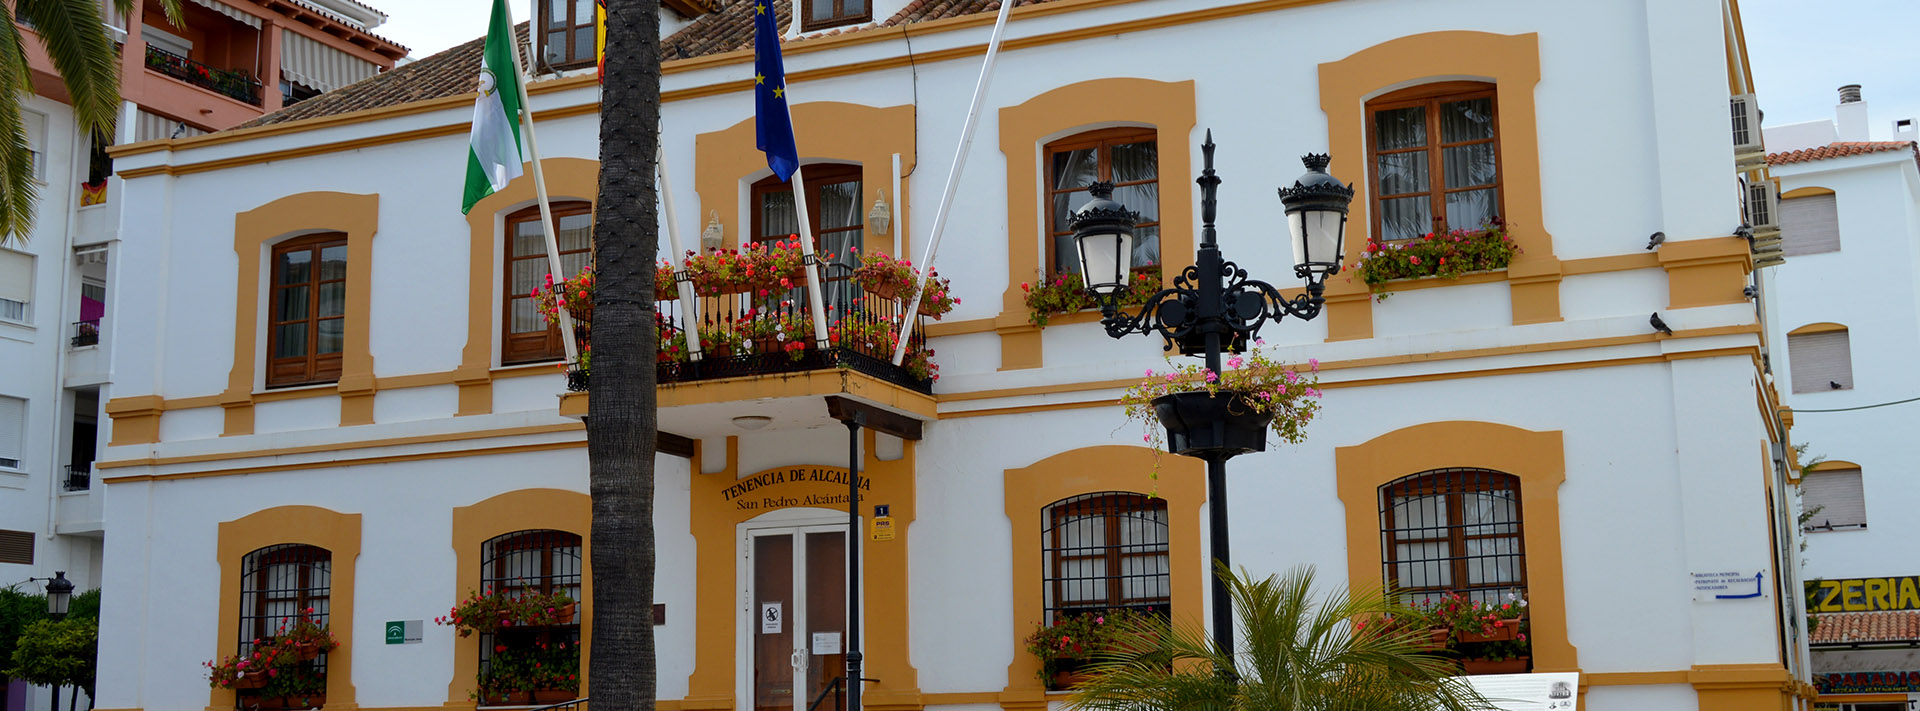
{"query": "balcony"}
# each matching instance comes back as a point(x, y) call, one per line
point(760, 358)
point(85, 333)
point(232, 83)
point(79, 477)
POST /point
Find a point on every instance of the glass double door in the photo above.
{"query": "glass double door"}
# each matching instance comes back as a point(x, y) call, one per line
point(797, 604)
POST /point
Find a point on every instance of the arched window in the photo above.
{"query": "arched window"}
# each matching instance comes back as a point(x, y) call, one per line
point(1127, 157)
point(1106, 551)
point(278, 584)
point(1820, 358)
point(525, 335)
point(531, 664)
point(1435, 152)
point(1453, 530)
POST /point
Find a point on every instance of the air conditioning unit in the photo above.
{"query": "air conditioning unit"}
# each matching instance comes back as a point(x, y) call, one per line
point(1749, 151)
point(1768, 260)
point(1763, 209)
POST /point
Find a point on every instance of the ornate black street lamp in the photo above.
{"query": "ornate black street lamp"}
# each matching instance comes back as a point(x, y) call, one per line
point(1213, 308)
point(59, 594)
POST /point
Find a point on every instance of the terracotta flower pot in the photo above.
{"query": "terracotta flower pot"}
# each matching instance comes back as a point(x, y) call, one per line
point(250, 681)
point(1203, 425)
point(1514, 665)
point(1064, 680)
point(553, 696)
point(564, 615)
point(1501, 633)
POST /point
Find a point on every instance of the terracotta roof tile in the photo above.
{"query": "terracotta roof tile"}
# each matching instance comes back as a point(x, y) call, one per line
point(454, 71)
point(1852, 627)
point(1838, 150)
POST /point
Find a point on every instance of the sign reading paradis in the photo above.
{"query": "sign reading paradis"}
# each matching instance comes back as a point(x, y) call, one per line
point(793, 486)
point(1880, 682)
point(1864, 594)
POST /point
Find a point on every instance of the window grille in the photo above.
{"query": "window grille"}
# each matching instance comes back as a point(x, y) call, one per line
point(1453, 530)
point(277, 585)
point(1106, 551)
point(537, 562)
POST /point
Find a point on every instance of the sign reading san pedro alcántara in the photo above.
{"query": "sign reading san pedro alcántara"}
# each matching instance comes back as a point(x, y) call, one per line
point(1876, 682)
point(1864, 594)
point(792, 486)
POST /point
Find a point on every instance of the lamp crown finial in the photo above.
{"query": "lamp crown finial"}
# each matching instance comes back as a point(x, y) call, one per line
point(1317, 161)
point(1101, 189)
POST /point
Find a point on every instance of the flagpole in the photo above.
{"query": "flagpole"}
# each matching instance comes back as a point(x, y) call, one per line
point(817, 306)
point(692, 309)
point(540, 192)
point(953, 182)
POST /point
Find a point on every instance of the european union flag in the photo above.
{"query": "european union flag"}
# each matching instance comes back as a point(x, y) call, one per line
point(773, 126)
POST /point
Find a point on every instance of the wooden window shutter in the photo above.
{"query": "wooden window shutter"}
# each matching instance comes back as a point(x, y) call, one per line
point(13, 429)
point(1836, 498)
point(1821, 361)
point(16, 547)
point(1810, 224)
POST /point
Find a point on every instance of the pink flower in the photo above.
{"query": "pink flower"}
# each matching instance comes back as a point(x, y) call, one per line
point(1314, 363)
point(1213, 377)
point(1415, 259)
point(1235, 362)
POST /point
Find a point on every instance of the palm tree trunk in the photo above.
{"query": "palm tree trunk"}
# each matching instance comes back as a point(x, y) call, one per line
point(621, 417)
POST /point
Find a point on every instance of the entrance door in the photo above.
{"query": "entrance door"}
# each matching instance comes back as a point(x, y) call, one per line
point(797, 600)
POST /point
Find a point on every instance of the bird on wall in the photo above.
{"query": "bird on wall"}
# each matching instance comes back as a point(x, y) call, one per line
point(1744, 232)
point(1659, 325)
point(1834, 385)
point(1750, 292)
point(1655, 241)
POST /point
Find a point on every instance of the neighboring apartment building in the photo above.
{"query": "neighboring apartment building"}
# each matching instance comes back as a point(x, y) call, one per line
point(1848, 310)
point(58, 289)
point(348, 405)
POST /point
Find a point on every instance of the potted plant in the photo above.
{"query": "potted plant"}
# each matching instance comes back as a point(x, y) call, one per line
point(574, 294)
point(489, 611)
point(887, 277)
point(530, 673)
point(1489, 637)
point(1065, 294)
point(1252, 395)
point(1066, 646)
point(1446, 255)
point(277, 666)
point(939, 299)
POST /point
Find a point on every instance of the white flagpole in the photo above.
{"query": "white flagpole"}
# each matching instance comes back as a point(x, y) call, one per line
point(540, 192)
point(691, 312)
point(815, 301)
point(953, 182)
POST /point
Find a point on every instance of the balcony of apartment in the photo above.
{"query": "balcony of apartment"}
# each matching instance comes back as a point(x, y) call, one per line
point(208, 68)
point(87, 352)
point(761, 364)
point(79, 510)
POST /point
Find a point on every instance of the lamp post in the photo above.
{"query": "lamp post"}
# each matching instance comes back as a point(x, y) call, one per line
point(1213, 307)
point(59, 595)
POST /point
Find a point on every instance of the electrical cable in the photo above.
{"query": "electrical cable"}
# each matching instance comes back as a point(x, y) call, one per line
point(1861, 407)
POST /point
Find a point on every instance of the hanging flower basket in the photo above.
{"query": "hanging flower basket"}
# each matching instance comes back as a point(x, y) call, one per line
point(250, 681)
point(1209, 425)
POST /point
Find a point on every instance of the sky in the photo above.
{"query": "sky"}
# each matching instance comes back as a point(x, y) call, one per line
point(1802, 50)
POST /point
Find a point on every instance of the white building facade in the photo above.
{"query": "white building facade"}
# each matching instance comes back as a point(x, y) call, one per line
point(432, 442)
point(1848, 309)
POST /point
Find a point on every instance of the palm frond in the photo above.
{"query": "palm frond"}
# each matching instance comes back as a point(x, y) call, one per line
point(18, 189)
point(1297, 651)
point(89, 65)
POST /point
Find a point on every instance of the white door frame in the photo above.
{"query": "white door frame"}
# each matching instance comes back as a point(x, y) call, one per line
point(790, 521)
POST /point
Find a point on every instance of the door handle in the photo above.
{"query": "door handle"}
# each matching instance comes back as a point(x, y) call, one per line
point(799, 661)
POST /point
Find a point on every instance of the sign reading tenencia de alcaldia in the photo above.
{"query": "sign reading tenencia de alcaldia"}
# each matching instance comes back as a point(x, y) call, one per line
point(792, 486)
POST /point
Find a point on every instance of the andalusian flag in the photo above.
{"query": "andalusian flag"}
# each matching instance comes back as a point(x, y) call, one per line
point(493, 155)
point(600, 36)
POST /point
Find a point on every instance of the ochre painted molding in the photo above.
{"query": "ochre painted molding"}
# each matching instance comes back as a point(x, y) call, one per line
point(726, 162)
point(1822, 327)
point(1536, 458)
point(136, 420)
point(1832, 464)
point(1512, 64)
point(521, 510)
point(715, 523)
point(1089, 470)
point(339, 534)
point(568, 179)
point(1805, 192)
point(334, 447)
point(1026, 128)
point(1706, 272)
point(254, 231)
point(1742, 687)
point(361, 461)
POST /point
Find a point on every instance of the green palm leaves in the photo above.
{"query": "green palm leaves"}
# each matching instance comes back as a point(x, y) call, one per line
point(74, 34)
point(1298, 651)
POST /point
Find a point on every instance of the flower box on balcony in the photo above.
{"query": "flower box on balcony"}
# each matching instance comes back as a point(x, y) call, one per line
point(1443, 255)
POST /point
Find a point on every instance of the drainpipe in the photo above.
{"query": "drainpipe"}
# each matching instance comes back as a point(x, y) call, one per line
point(60, 342)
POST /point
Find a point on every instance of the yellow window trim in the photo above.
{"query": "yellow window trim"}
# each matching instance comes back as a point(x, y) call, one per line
point(338, 533)
point(1822, 327)
point(522, 510)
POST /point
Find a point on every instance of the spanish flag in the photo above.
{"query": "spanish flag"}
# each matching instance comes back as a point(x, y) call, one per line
point(600, 36)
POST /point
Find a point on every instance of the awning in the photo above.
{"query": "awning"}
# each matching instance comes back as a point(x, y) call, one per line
point(312, 64)
point(151, 126)
point(230, 11)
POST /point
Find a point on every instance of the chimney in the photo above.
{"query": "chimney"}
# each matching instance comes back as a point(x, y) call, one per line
point(1906, 129)
point(1850, 117)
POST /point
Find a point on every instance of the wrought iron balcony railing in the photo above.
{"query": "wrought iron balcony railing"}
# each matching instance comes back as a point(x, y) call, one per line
point(762, 332)
point(86, 333)
point(226, 82)
point(79, 477)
